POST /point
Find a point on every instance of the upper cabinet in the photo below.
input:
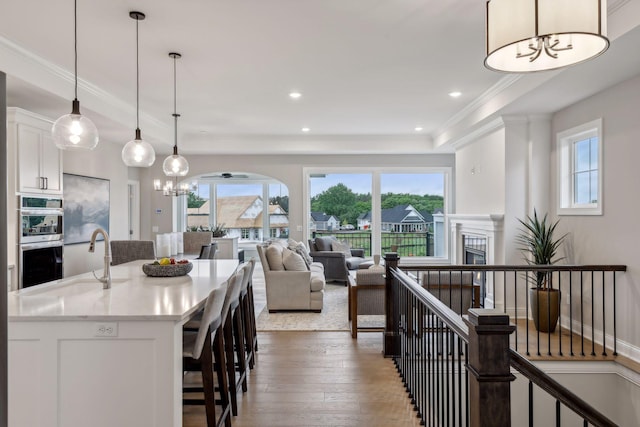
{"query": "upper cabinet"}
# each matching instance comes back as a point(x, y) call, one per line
point(38, 161)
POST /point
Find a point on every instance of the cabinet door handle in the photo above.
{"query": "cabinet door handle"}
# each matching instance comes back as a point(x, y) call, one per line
point(41, 182)
point(46, 183)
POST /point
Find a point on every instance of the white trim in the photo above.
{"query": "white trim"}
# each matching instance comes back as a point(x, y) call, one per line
point(580, 367)
point(133, 230)
point(564, 145)
point(488, 95)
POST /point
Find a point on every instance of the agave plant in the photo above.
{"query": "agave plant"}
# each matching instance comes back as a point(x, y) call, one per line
point(537, 241)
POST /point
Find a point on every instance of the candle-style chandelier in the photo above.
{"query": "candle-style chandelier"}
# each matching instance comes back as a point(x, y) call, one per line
point(172, 188)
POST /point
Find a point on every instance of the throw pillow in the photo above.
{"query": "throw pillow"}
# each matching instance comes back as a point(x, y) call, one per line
point(292, 261)
point(300, 249)
point(341, 247)
point(274, 257)
point(324, 243)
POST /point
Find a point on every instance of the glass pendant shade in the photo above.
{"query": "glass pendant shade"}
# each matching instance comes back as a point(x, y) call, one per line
point(74, 131)
point(537, 35)
point(175, 165)
point(138, 152)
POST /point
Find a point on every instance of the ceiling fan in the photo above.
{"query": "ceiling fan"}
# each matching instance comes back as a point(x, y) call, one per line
point(227, 175)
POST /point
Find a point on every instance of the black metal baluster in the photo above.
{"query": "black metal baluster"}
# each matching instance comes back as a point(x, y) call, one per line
point(593, 326)
point(571, 313)
point(559, 313)
point(615, 337)
point(530, 403)
point(581, 314)
point(604, 318)
point(466, 382)
point(459, 352)
point(558, 413)
point(515, 305)
point(526, 308)
point(549, 287)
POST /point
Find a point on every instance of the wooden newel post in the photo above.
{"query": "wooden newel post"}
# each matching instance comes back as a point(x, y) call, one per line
point(391, 333)
point(489, 368)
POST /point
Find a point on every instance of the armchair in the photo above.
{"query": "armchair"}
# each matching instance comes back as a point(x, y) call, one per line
point(336, 263)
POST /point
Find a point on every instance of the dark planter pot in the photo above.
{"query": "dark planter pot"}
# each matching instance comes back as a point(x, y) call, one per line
point(545, 308)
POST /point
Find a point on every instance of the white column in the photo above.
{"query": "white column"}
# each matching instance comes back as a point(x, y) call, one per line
point(516, 183)
point(540, 142)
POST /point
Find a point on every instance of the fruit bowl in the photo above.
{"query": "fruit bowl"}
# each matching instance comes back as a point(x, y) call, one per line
point(169, 270)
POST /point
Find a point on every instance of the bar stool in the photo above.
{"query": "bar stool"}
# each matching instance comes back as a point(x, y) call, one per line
point(199, 352)
point(204, 252)
point(248, 313)
point(234, 340)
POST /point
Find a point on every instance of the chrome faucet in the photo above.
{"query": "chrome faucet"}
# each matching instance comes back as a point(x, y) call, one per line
point(106, 275)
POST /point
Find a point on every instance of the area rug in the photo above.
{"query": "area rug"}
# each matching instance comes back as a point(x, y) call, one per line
point(334, 316)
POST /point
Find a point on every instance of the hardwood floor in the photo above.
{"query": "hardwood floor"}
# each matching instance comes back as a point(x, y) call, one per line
point(320, 379)
point(329, 379)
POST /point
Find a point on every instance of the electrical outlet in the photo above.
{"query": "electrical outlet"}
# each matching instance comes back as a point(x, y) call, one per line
point(105, 329)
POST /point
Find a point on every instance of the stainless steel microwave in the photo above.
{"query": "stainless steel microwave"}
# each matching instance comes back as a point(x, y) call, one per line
point(41, 219)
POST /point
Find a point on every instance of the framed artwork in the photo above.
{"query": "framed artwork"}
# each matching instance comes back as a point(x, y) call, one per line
point(86, 207)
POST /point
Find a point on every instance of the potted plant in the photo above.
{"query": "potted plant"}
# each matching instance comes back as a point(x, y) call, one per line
point(538, 242)
point(218, 231)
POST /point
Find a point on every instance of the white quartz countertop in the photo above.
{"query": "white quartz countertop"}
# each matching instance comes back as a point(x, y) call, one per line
point(133, 295)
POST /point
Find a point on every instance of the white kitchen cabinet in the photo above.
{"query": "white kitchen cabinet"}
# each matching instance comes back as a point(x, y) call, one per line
point(38, 160)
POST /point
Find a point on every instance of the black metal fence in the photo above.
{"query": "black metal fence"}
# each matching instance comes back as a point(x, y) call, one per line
point(457, 372)
point(409, 244)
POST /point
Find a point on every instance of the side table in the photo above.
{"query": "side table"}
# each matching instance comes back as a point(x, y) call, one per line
point(366, 297)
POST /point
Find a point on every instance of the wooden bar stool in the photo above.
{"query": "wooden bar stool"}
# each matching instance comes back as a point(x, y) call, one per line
point(199, 353)
point(248, 313)
point(232, 326)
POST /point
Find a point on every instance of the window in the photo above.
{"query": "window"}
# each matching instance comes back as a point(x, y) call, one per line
point(251, 207)
point(580, 170)
point(381, 210)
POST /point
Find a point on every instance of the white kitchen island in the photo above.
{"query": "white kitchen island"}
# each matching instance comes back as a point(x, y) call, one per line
point(80, 355)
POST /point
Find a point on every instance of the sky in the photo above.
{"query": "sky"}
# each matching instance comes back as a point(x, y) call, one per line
point(418, 183)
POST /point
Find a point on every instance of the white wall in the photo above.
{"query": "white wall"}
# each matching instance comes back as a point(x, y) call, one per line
point(103, 162)
point(598, 383)
point(613, 237)
point(480, 176)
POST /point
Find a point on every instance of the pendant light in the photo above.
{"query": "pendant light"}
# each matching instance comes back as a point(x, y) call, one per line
point(536, 35)
point(138, 152)
point(75, 131)
point(175, 165)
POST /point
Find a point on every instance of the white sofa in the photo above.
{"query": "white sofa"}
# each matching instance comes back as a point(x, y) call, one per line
point(290, 283)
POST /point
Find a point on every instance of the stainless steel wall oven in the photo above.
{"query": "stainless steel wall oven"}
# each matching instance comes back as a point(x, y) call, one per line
point(41, 240)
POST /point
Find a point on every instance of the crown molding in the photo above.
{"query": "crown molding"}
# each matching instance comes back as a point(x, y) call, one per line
point(39, 72)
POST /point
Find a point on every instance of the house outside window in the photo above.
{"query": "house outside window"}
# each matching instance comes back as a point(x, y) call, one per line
point(580, 169)
point(244, 233)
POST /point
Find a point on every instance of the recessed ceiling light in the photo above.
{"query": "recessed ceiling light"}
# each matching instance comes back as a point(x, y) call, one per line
point(418, 129)
point(295, 95)
point(455, 94)
point(305, 129)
